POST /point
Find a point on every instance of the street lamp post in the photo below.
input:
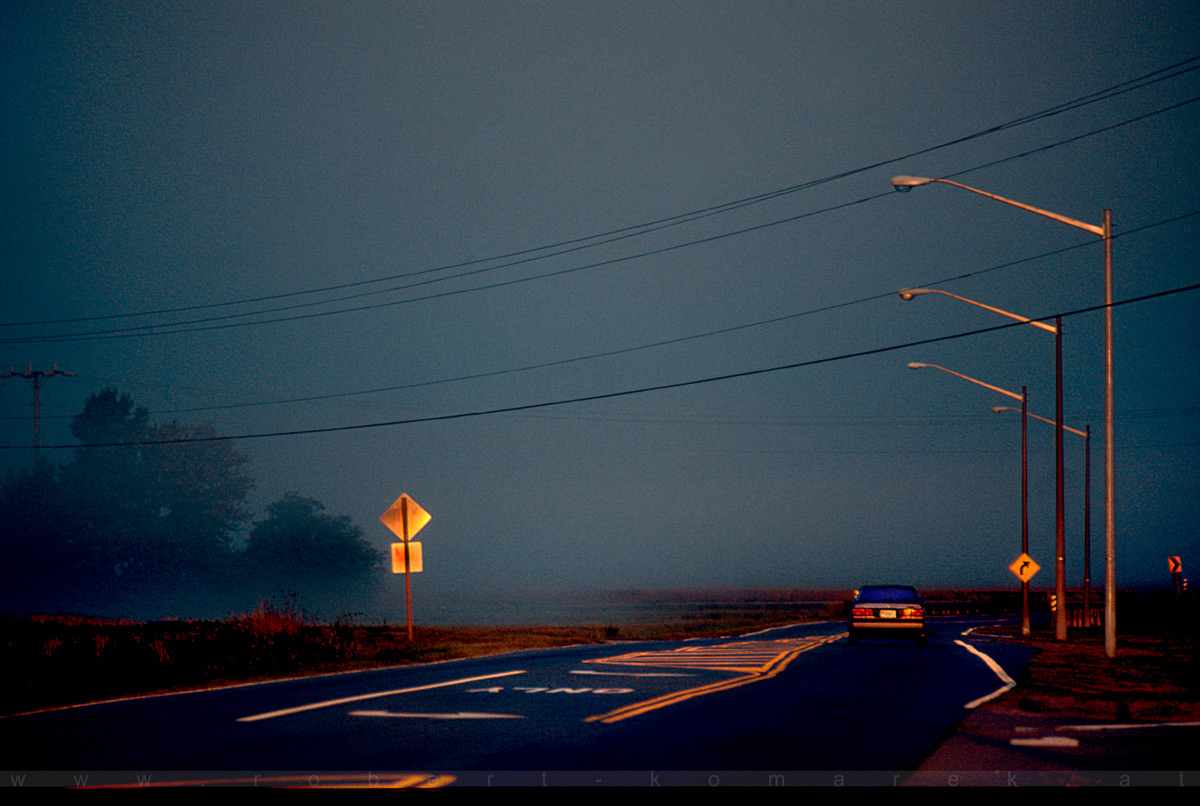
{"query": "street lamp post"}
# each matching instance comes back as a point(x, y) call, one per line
point(1086, 433)
point(904, 183)
point(1024, 398)
point(1060, 543)
point(909, 293)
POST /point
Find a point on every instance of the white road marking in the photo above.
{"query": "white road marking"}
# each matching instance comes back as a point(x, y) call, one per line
point(329, 703)
point(1131, 727)
point(464, 715)
point(781, 627)
point(1045, 741)
point(995, 667)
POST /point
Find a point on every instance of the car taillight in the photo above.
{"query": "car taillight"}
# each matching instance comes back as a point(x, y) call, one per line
point(912, 612)
point(862, 612)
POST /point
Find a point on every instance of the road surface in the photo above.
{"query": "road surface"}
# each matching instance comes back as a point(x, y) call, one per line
point(789, 706)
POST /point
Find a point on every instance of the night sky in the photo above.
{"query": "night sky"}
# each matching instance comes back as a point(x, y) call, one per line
point(299, 217)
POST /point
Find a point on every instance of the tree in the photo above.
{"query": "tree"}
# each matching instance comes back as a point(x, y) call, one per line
point(104, 480)
point(152, 509)
point(109, 416)
point(141, 522)
point(299, 547)
point(196, 487)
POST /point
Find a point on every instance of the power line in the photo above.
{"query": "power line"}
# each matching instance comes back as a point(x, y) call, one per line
point(175, 328)
point(146, 330)
point(675, 340)
point(667, 342)
point(621, 393)
point(1162, 74)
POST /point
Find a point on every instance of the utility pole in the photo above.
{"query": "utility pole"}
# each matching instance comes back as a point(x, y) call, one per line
point(36, 377)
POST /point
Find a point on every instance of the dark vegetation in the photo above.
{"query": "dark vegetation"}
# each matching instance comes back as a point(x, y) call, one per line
point(141, 522)
point(1155, 674)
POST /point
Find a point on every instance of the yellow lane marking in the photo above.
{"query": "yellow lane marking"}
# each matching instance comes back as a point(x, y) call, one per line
point(759, 660)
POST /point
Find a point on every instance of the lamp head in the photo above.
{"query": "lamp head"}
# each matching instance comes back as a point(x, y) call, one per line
point(915, 365)
point(909, 293)
point(906, 183)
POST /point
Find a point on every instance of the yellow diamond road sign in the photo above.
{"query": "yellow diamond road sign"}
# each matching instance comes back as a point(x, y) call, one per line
point(1024, 567)
point(405, 517)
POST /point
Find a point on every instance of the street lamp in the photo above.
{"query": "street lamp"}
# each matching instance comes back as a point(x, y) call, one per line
point(905, 183)
point(1024, 398)
point(1087, 506)
point(908, 293)
point(1060, 542)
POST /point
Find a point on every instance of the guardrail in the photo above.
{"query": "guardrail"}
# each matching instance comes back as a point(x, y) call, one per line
point(1010, 604)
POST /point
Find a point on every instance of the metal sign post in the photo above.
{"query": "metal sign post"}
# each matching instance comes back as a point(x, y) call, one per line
point(405, 518)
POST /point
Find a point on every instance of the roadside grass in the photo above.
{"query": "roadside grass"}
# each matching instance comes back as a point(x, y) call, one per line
point(60, 660)
point(1155, 673)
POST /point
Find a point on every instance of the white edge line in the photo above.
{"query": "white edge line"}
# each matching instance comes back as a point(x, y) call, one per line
point(995, 667)
point(765, 630)
point(1045, 741)
point(460, 715)
point(344, 700)
point(1131, 726)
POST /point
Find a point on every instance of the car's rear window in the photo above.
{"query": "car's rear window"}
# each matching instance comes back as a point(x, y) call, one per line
point(888, 594)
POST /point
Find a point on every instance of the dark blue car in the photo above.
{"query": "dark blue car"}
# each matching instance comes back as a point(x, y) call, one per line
point(888, 611)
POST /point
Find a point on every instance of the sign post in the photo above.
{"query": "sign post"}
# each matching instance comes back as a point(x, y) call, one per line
point(405, 518)
point(1024, 568)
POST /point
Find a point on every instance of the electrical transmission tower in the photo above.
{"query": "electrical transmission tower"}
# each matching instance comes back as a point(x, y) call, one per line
point(36, 378)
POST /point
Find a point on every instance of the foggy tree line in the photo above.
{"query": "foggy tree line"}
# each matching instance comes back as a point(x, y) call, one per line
point(125, 527)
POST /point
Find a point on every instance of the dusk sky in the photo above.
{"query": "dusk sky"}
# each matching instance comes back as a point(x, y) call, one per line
point(279, 217)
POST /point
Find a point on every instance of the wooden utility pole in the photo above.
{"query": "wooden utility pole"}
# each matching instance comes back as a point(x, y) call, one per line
point(36, 378)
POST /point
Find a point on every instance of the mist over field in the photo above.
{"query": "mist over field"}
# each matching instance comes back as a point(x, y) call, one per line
point(609, 289)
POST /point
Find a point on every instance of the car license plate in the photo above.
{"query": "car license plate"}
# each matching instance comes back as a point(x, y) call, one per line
point(887, 613)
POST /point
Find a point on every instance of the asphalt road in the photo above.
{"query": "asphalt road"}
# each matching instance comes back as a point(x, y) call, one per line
point(795, 705)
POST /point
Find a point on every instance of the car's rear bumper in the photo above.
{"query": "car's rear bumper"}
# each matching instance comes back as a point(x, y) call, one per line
point(887, 624)
point(888, 629)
